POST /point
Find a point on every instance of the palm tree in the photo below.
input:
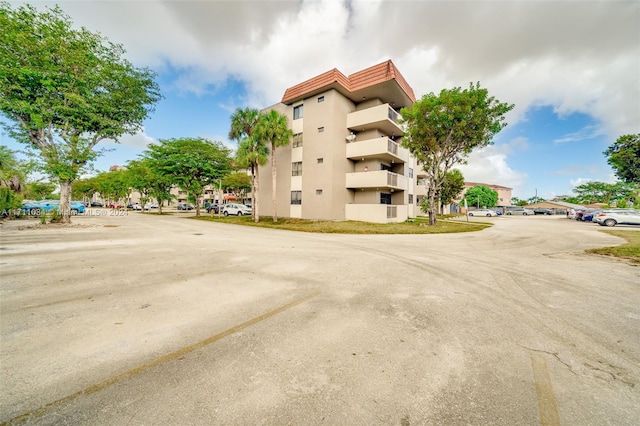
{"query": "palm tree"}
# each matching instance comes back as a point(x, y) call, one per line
point(273, 129)
point(252, 152)
point(243, 124)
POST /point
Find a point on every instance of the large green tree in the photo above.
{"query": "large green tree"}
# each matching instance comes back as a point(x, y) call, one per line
point(13, 172)
point(273, 130)
point(442, 130)
point(84, 189)
point(603, 192)
point(12, 178)
point(149, 182)
point(481, 196)
point(39, 190)
point(237, 183)
point(451, 188)
point(252, 151)
point(190, 163)
point(113, 185)
point(624, 158)
point(64, 90)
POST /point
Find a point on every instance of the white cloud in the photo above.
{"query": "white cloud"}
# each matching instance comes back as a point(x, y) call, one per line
point(140, 140)
point(587, 132)
point(590, 66)
point(490, 165)
point(579, 181)
point(523, 52)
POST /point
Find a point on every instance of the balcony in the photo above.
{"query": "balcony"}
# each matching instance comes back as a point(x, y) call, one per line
point(382, 179)
point(381, 117)
point(377, 213)
point(380, 148)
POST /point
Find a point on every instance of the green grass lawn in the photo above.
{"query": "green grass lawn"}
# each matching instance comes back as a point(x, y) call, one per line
point(629, 251)
point(415, 226)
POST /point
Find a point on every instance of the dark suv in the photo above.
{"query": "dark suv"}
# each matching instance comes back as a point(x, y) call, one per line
point(542, 211)
point(212, 207)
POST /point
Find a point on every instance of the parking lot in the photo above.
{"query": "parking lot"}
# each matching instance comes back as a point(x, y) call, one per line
point(141, 319)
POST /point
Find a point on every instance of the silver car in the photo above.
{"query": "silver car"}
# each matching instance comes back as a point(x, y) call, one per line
point(522, 211)
point(483, 212)
point(236, 209)
point(615, 217)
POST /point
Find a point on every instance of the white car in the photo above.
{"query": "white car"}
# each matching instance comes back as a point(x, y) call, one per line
point(615, 217)
point(522, 211)
point(236, 209)
point(483, 212)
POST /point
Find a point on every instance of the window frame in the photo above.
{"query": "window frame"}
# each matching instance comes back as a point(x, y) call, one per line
point(296, 198)
point(296, 168)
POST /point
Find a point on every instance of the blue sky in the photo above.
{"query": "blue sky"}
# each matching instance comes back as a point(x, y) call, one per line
point(571, 68)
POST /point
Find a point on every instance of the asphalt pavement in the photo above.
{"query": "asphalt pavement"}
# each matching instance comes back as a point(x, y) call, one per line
point(141, 319)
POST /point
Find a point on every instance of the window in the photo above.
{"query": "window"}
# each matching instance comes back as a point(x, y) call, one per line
point(320, 160)
point(318, 191)
point(297, 140)
point(297, 112)
point(296, 197)
point(320, 129)
point(296, 168)
point(410, 171)
point(410, 201)
point(385, 198)
point(320, 99)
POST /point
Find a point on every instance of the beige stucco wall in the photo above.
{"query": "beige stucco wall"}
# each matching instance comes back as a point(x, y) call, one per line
point(324, 184)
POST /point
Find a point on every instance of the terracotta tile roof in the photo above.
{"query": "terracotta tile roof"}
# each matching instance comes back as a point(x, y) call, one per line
point(371, 76)
point(488, 185)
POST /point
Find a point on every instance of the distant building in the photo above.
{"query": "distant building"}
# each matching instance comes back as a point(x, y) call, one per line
point(504, 192)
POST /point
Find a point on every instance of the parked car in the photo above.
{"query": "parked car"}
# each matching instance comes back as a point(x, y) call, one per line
point(522, 211)
point(115, 205)
point(498, 212)
point(185, 206)
point(482, 212)
point(589, 215)
point(543, 211)
point(44, 206)
point(212, 208)
point(150, 206)
point(96, 204)
point(235, 209)
point(579, 214)
point(618, 217)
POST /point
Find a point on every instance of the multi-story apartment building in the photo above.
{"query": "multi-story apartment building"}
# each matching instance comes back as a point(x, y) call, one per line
point(345, 161)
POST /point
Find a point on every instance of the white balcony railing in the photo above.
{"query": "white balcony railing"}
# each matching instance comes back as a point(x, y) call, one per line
point(383, 148)
point(381, 117)
point(377, 179)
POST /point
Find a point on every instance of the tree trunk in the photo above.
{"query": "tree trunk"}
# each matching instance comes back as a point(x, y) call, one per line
point(273, 181)
point(432, 203)
point(197, 206)
point(65, 201)
point(254, 195)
